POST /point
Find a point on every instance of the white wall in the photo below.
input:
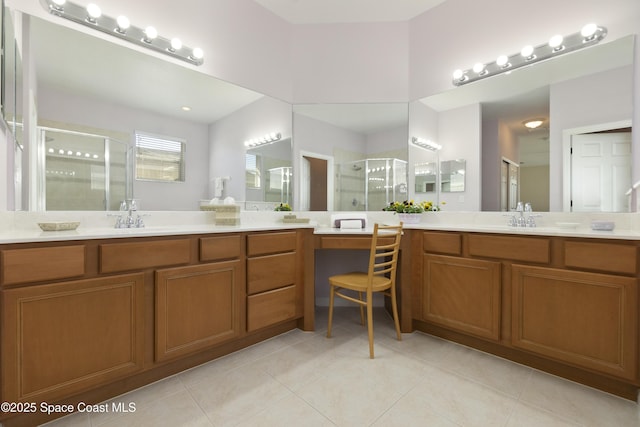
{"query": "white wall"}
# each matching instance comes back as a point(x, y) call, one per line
point(227, 137)
point(59, 106)
point(594, 99)
point(342, 63)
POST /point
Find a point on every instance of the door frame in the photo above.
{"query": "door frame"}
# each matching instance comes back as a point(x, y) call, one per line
point(330, 175)
point(567, 134)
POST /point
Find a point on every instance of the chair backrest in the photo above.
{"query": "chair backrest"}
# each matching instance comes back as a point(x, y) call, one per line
point(385, 245)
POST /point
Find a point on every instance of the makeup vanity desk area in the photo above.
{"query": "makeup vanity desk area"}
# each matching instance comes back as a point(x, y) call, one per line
point(565, 301)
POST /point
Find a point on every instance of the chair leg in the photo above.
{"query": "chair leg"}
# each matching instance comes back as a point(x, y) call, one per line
point(361, 309)
point(332, 291)
point(394, 307)
point(370, 322)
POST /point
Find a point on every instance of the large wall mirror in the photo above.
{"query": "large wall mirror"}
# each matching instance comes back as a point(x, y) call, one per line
point(584, 100)
point(92, 95)
point(351, 157)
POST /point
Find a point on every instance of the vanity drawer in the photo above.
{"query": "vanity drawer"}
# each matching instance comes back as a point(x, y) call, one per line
point(350, 242)
point(271, 307)
point(444, 243)
point(271, 243)
point(529, 249)
point(223, 247)
point(270, 272)
point(38, 264)
point(614, 258)
point(140, 255)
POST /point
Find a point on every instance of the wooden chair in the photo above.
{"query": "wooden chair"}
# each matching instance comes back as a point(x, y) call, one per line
point(380, 277)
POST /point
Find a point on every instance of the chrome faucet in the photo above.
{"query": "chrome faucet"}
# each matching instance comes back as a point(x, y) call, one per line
point(526, 217)
point(131, 220)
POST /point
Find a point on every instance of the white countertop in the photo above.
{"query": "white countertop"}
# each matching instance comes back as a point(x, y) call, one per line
point(21, 227)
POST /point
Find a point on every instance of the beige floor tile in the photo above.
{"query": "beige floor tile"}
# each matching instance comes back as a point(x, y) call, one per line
point(500, 374)
point(290, 411)
point(579, 403)
point(462, 401)
point(357, 390)
point(232, 396)
point(140, 398)
point(73, 420)
point(527, 416)
point(176, 410)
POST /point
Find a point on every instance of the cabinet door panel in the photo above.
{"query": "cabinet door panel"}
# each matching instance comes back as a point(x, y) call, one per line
point(462, 294)
point(71, 336)
point(197, 307)
point(586, 319)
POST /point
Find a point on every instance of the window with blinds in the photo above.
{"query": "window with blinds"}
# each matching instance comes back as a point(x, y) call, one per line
point(159, 158)
point(252, 169)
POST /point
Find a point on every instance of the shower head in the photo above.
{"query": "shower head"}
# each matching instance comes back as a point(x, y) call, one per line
point(356, 167)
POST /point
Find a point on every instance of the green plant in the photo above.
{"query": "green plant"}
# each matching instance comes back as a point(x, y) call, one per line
point(283, 207)
point(408, 206)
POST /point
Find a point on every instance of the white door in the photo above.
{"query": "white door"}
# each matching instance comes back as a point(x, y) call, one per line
point(600, 172)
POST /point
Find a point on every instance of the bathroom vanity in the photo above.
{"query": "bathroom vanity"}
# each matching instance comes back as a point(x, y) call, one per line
point(90, 315)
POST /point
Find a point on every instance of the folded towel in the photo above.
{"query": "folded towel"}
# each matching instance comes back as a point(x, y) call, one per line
point(351, 223)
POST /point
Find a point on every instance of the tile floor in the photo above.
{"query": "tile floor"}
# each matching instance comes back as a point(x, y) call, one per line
point(304, 379)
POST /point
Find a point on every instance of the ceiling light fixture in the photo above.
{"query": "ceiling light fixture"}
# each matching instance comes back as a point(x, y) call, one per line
point(120, 27)
point(534, 123)
point(269, 138)
point(426, 144)
point(589, 35)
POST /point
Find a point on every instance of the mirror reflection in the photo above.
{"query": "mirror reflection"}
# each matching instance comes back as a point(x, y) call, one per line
point(91, 86)
point(269, 173)
point(353, 157)
point(585, 92)
point(452, 176)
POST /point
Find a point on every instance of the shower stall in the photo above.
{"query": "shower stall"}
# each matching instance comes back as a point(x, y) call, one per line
point(370, 184)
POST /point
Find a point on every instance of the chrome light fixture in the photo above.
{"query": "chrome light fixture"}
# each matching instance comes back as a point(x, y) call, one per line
point(269, 138)
point(120, 27)
point(558, 45)
point(426, 144)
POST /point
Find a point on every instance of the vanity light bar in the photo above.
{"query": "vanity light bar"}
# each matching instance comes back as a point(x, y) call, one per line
point(267, 139)
point(425, 144)
point(120, 27)
point(558, 45)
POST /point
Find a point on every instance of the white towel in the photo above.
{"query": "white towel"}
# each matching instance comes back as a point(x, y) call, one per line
point(350, 223)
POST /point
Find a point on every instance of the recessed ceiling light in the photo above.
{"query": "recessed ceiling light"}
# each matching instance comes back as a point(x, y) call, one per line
point(533, 124)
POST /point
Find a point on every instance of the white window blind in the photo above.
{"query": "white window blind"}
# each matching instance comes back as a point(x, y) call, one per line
point(252, 171)
point(159, 158)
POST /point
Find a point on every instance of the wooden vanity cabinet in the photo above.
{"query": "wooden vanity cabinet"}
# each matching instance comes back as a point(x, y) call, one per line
point(62, 338)
point(83, 321)
point(567, 305)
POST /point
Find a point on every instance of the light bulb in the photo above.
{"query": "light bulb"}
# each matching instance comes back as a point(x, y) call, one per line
point(51, 150)
point(527, 51)
point(556, 41)
point(59, 2)
point(502, 60)
point(197, 53)
point(176, 44)
point(150, 33)
point(589, 30)
point(478, 68)
point(94, 11)
point(123, 23)
point(457, 74)
point(61, 151)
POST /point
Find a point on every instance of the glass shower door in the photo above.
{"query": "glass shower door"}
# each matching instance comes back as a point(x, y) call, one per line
point(83, 171)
